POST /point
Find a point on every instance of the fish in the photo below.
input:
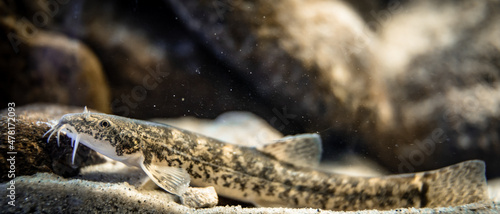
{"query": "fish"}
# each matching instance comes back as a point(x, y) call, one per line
point(280, 174)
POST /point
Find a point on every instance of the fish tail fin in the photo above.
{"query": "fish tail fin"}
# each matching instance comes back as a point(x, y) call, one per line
point(457, 184)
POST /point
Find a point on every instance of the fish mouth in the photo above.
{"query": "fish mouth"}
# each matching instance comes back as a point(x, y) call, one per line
point(65, 128)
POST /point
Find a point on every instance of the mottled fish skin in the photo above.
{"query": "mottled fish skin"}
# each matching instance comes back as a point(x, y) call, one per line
point(249, 175)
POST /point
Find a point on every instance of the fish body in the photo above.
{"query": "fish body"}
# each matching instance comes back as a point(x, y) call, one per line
point(279, 174)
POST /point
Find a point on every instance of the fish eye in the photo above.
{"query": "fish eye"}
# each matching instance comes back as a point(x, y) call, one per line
point(104, 123)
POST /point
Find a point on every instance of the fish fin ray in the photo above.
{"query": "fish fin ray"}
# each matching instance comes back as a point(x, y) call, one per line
point(300, 150)
point(174, 180)
point(458, 184)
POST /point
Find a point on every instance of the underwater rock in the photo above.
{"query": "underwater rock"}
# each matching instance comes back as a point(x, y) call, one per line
point(46, 66)
point(46, 192)
point(154, 66)
point(298, 55)
point(442, 80)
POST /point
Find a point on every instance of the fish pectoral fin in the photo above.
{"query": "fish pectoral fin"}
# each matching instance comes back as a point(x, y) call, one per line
point(172, 179)
point(300, 150)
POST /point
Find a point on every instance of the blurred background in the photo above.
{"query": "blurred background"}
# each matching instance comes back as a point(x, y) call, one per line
point(411, 85)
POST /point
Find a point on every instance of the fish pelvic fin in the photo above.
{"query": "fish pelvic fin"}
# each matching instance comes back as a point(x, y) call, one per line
point(174, 180)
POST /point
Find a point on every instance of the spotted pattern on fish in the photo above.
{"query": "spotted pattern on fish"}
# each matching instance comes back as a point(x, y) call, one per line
point(250, 175)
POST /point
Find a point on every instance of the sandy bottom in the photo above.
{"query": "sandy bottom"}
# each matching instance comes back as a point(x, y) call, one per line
point(114, 187)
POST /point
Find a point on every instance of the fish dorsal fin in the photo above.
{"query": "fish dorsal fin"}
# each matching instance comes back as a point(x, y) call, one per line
point(300, 150)
point(174, 180)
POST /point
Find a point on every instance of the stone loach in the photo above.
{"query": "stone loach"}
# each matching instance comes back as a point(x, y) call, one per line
point(121, 186)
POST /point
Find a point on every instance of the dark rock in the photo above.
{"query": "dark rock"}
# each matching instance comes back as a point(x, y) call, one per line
point(155, 66)
point(45, 66)
point(442, 80)
point(297, 55)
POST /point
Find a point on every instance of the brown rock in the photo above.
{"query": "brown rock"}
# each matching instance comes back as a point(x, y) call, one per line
point(155, 66)
point(443, 82)
point(298, 55)
point(45, 66)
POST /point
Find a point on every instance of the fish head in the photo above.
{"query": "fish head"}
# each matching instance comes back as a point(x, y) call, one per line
point(109, 135)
